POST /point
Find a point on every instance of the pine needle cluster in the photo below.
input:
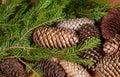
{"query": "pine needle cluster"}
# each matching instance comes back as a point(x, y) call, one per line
point(93, 9)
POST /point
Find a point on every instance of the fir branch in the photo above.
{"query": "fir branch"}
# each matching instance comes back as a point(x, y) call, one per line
point(16, 41)
point(93, 9)
point(50, 21)
point(69, 54)
point(3, 54)
point(7, 24)
point(20, 47)
point(20, 12)
point(45, 4)
point(20, 36)
point(9, 9)
point(90, 43)
point(36, 74)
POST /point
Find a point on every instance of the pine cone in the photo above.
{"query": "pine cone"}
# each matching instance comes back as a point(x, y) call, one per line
point(86, 32)
point(1, 74)
point(53, 37)
point(112, 46)
point(73, 69)
point(74, 24)
point(12, 68)
point(50, 68)
point(94, 54)
point(109, 66)
point(110, 24)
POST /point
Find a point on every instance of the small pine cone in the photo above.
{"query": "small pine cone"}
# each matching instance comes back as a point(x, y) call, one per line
point(50, 68)
point(53, 37)
point(86, 32)
point(109, 66)
point(74, 69)
point(94, 54)
point(12, 68)
point(74, 24)
point(110, 24)
point(112, 46)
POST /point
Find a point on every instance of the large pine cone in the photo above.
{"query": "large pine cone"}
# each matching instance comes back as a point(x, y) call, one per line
point(74, 24)
point(109, 66)
point(112, 46)
point(12, 68)
point(110, 24)
point(50, 68)
point(53, 37)
point(86, 32)
point(94, 54)
point(74, 69)
point(1, 74)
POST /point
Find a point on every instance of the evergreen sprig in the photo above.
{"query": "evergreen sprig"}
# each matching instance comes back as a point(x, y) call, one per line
point(8, 10)
point(19, 36)
point(69, 54)
point(90, 43)
point(93, 9)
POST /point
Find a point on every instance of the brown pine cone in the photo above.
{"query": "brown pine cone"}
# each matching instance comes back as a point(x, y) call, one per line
point(53, 37)
point(110, 24)
point(94, 54)
point(74, 24)
point(86, 32)
point(109, 66)
point(1, 74)
point(74, 69)
point(12, 68)
point(112, 46)
point(50, 68)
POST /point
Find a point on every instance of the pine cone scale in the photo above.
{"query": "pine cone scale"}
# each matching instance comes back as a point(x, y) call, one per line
point(109, 66)
point(86, 32)
point(111, 46)
point(63, 42)
point(59, 43)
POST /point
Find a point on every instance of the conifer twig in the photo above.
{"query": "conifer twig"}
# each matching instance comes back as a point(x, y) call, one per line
point(7, 24)
point(38, 26)
point(20, 47)
point(90, 43)
point(29, 67)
